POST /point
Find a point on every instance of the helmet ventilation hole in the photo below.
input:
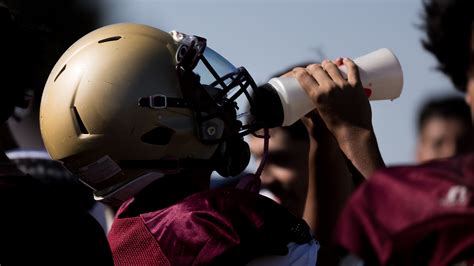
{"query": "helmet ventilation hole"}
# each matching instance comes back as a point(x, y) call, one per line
point(158, 136)
point(81, 125)
point(60, 72)
point(110, 39)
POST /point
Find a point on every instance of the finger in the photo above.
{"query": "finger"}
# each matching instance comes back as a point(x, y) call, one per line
point(292, 72)
point(352, 71)
point(311, 116)
point(287, 74)
point(333, 72)
point(307, 82)
point(319, 74)
point(298, 69)
point(338, 61)
point(306, 120)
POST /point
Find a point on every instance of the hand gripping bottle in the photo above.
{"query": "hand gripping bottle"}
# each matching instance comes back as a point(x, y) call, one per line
point(380, 73)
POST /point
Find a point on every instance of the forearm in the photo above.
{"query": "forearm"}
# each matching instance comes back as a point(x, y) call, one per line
point(329, 185)
point(361, 148)
point(310, 214)
point(332, 186)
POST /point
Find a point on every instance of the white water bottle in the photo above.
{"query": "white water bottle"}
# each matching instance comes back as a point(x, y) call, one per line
point(380, 73)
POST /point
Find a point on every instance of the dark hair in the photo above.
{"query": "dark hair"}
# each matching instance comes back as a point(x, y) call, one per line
point(445, 107)
point(448, 26)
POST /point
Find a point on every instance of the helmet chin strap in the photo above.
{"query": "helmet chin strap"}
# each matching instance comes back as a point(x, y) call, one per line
point(121, 194)
point(266, 137)
point(252, 182)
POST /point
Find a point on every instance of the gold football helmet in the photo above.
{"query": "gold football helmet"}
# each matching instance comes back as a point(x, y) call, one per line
point(128, 103)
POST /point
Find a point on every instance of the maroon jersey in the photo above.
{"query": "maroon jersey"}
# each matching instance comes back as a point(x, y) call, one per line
point(214, 227)
point(413, 215)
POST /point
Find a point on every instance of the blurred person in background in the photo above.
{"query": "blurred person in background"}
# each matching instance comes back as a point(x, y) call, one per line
point(405, 215)
point(52, 25)
point(285, 175)
point(444, 129)
point(36, 225)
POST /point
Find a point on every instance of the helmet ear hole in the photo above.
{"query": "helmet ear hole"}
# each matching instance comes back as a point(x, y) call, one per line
point(158, 136)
